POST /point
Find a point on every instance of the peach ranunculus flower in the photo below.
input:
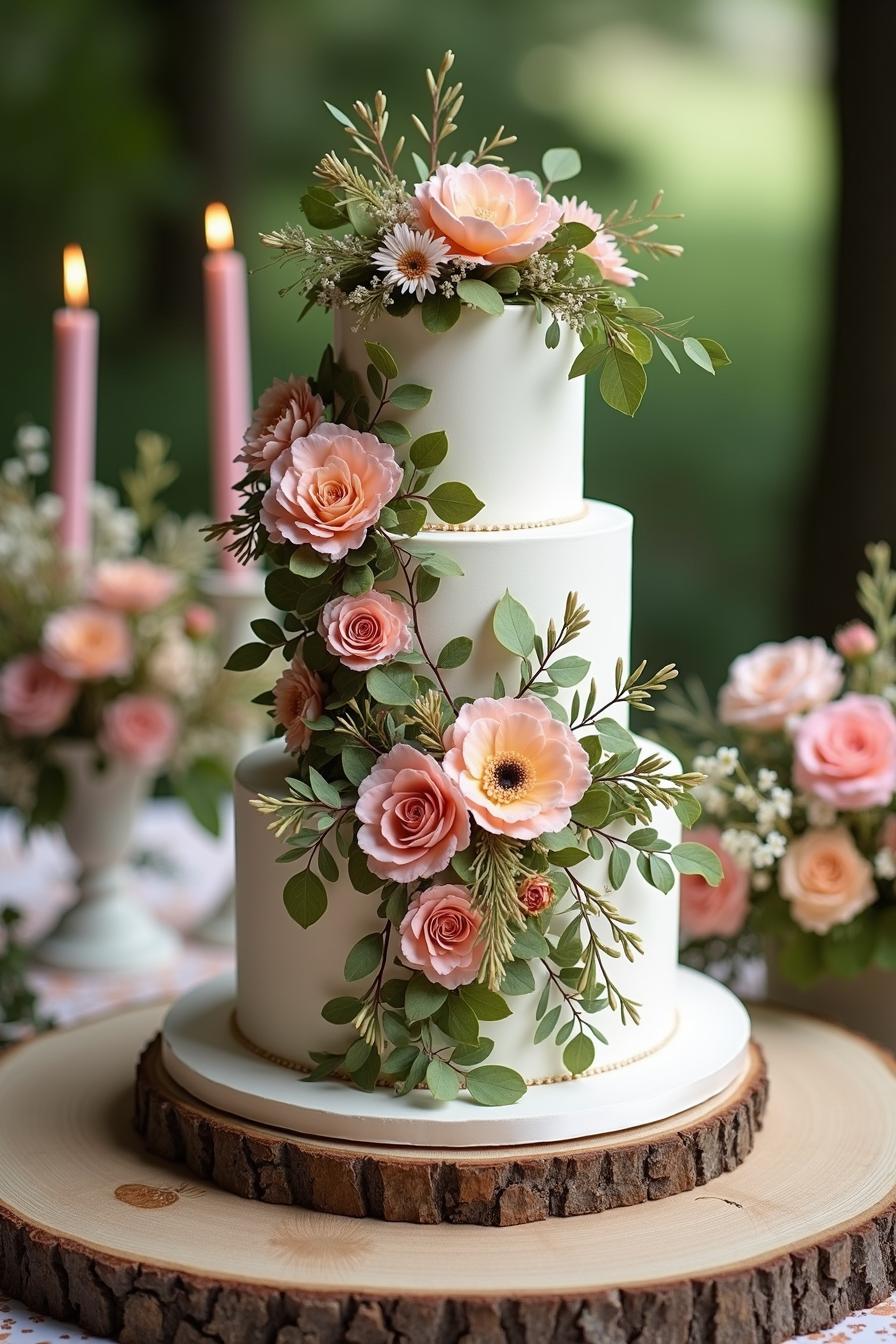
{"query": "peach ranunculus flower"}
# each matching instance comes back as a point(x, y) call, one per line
point(440, 936)
point(329, 488)
point(485, 214)
point(765, 687)
point(855, 641)
point(845, 753)
point(519, 769)
point(133, 585)
point(88, 643)
point(413, 819)
point(141, 729)
point(825, 879)
point(286, 411)
point(714, 912)
point(35, 699)
point(364, 631)
point(603, 248)
point(298, 695)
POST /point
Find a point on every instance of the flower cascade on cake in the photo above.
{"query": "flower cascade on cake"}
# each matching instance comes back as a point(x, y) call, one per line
point(462, 821)
point(800, 758)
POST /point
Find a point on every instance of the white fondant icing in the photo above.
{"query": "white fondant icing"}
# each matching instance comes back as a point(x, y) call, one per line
point(515, 422)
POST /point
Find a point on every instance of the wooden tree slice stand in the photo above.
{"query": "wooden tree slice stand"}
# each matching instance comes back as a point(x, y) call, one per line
point(95, 1230)
point(493, 1187)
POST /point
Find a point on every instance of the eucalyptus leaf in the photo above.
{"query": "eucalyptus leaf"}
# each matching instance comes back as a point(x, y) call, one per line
point(423, 998)
point(622, 381)
point(691, 858)
point(559, 165)
point(454, 502)
point(495, 1085)
point(455, 653)
point(364, 957)
point(391, 685)
point(579, 1054)
point(485, 1003)
point(442, 1080)
point(410, 396)
point(429, 450)
point(481, 295)
point(513, 626)
point(341, 1011)
point(381, 359)
point(440, 311)
point(247, 657)
point(305, 898)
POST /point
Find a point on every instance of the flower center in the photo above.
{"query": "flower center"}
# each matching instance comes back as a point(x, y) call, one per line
point(506, 778)
point(412, 264)
point(484, 212)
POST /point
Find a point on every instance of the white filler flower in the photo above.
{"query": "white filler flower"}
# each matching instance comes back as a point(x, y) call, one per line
point(411, 259)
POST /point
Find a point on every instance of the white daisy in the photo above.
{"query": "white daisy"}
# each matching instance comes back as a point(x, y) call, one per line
point(411, 259)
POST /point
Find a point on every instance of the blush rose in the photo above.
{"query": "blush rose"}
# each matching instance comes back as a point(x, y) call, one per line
point(440, 936)
point(714, 912)
point(766, 687)
point(825, 879)
point(329, 488)
point(845, 753)
point(486, 214)
point(133, 585)
point(413, 819)
point(88, 643)
point(286, 411)
point(363, 632)
point(35, 699)
point(298, 695)
point(855, 641)
point(141, 729)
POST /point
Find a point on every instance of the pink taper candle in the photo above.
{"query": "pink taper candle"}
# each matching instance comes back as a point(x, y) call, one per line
point(75, 340)
point(229, 380)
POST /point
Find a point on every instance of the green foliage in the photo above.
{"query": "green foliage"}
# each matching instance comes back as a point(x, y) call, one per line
point(305, 898)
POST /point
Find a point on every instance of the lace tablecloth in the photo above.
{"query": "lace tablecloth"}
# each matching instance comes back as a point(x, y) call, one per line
point(182, 874)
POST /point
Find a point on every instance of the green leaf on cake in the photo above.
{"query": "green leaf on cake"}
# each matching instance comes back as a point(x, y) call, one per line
point(518, 978)
point(362, 221)
point(513, 626)
point(640, 344)
point(423, 998)
point(400, 1061)
point(480, 295)
point(620, 859)
point(307, 563)
point(305, 898)
point(485, 1003)
point(494, 1085)
point(429, 450)
point(392, 685)
point(357, 763)
point(454, 502)
point(360, 876)
point(440, 565)
point(568, 671)
point(357, 580)
point(697, 860)
point(269, 632)
point(622, 381)
point(440, 312)
point(381, 359)
point(688, 810)
point(410, 516)
point(588, 359)
point(466, 1056)
point(322, 789)
point(410, 396)
point(458, 1021)
point(282, 589)
point(573, 234)
point(364, 958)
point(529, 943)
point(390, 431)
point(579, 1054)
point(247, 657)
point(455, 653)
point(559, 165)
point(506, 279)
point(552, 335)
point(594, 808)
point(340, 1011)
point(442, 1080)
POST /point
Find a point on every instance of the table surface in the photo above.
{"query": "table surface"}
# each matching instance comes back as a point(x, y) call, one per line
point(181, 873)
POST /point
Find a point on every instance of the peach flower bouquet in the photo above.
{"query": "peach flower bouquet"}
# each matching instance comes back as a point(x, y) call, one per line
point(799, 755)
point(120, 656)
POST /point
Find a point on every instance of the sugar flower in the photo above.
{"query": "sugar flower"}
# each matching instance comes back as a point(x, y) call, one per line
point(485, 214)
point(286, 411)
point(603, 248)
point(413, 818)
point(440, 936)
point(298, 695)
point(88, 643)
point(364, 631)
point(520, 770)
point(329, 488)
point(411, 259)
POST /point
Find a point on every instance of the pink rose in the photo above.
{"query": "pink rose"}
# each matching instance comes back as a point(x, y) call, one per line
point(603, 248)
point(34, 699)
point(519, 769)
point(133, 585)
point(845, 753)
point(485, 214)
point(88, 643)
point(298, 695)
point(286, 411)
point(329, 488)
point(855, 641)
point(826, 879)
point(413, 818)
point(141, 729)
point(365, 631)
point(536, 894)
point(200, 621)
point(765, 687)
point(440, 936)
point(714, 912)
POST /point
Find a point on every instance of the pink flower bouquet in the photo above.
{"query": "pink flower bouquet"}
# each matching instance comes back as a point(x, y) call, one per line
point(800, 759)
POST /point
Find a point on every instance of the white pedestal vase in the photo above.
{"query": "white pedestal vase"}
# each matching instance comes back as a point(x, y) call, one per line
point(237, 599)
point(865, 1003)
point(107, 929)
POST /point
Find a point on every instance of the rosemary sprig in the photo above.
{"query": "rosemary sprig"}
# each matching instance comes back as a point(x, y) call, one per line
point(496, 874)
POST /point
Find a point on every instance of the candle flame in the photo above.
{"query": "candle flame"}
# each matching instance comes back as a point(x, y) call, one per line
point(74, 277)
point(218, 229)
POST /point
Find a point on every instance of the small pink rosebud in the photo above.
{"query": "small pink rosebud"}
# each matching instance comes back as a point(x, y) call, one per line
point(855, 640)
point(535, 894)
point(199, 621)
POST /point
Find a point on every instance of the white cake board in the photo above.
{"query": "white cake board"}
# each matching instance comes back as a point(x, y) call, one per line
point(707, 1053)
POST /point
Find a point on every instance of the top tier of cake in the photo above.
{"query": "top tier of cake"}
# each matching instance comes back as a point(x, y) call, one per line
point(514, 420)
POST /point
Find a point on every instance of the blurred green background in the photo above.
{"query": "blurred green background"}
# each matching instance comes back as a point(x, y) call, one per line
point(124, 118)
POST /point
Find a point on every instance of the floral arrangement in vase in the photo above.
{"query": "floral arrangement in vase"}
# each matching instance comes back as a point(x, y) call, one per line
point(470, 233)
point(117, 657)
point(800, 757)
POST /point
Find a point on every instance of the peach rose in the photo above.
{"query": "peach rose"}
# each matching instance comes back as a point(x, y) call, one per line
point(603, 248)
point(714, 912)
point(34, 699)
point(133, 585)
point(826, 879)
point(200, 621)
point(855, 641)
point(286, 411)
point(485, 214)
point(298, 695)
point(413, 818)
point(141, 729)
point(363, 632)
point(765, 687)
point(845, 753)
point(535, 894)
point(519, 769)
point(328, 489)
point(440, 936)
point(88, 643)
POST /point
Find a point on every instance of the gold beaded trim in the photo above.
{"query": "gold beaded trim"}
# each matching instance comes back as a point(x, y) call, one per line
point(286, 1063)
point(504, 527)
